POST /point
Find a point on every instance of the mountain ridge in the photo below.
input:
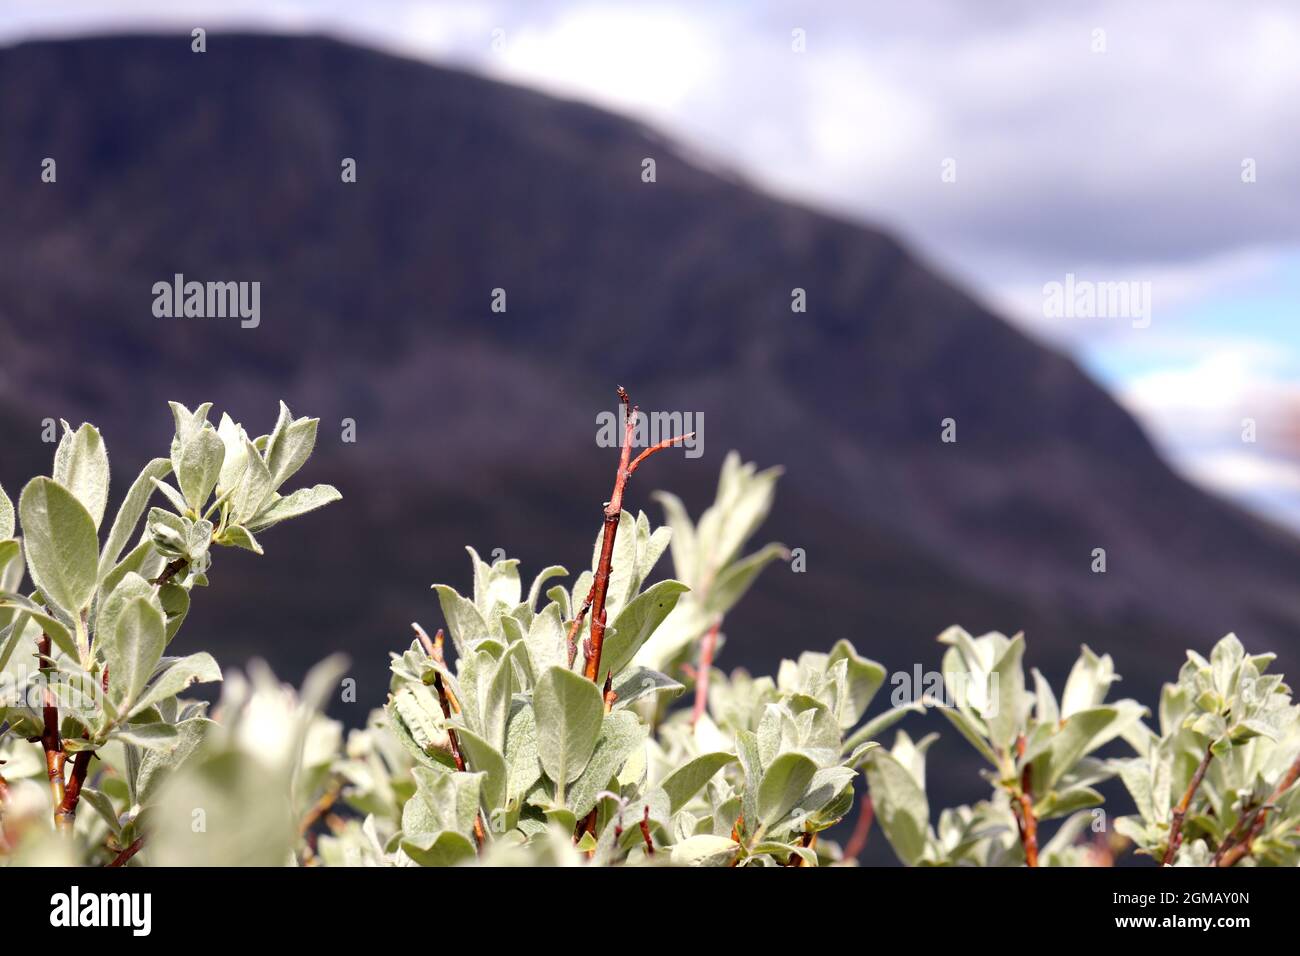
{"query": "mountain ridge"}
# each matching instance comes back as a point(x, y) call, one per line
point(477, 427)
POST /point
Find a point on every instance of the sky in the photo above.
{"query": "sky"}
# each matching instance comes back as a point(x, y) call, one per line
point(1118, 179)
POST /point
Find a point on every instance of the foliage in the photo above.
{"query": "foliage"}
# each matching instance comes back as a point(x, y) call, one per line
point(525, 742)
point(99, 622)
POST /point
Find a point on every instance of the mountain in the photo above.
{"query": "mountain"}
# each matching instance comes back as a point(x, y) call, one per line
point(478, 427)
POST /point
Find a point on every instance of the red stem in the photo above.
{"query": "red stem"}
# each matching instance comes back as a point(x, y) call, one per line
point(1180, 811)
point(613, 508)
point(707, 647)
point(861, 830)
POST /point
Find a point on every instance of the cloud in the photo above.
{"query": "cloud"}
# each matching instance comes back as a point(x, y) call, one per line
point(1102, 138)
point(1229, 419)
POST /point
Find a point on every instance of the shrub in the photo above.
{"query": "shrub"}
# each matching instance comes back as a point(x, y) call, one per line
point(99, 622)
point(584, 724)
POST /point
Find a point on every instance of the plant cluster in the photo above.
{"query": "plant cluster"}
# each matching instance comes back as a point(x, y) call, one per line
point(554, 724)
point(90, 700)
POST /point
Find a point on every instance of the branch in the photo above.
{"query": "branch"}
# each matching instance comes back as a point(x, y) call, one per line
point(707, 648)
point(51, 742)
point(1180, 811)
point(132, 850)
point(434, 650)
point(170, 571)
point(67, 809)
point(1026, 822)
point(1232, 852)
point(861, 830)
point(66, 812)
point(645, 833)
point(613, 508)
point(320, 807)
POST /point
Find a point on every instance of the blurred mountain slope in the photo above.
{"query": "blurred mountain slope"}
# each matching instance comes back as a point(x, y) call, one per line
point(475, 427)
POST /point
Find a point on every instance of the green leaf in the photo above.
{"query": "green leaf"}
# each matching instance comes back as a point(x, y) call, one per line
point(682, 541)
point(58, 634)
point(1090, 678)
point(484, 758)
point(900, 804)
point(688, 779)
point(973, 734)
point(240, 537)
point(737, 578)
point(291, 506)
point(522, 766)
point(704, 849)
point(568, 709)
point(252, 492)
point(443, 801)
point(784, 784)
point(130, 512)
point(132, 649)
point(1070, 743)
point(156, 764)
point(200, 466)
point(494, 709)
point(864, 678)
point(103, 806)
point(621, 733)
point(11, 570)
point(164, 737)
point(448, 848)
point(235, 458)
point(546, 574)
point(81, 466)
point(635, 623)
point(1046, 710)
point(290, 445)
point(622, 572)
point(637, 682)
point(1004, 716)
point(6, 515)
point(187, 423)
point(197, 668)
point(546, 640)
point(173, 496)
point(464, 622)
point(62, 549)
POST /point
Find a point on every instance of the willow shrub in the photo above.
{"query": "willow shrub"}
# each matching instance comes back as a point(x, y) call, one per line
point(558, 723)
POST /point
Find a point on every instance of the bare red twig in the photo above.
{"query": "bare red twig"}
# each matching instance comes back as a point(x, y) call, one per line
point(707, 648)
point(170, 571)
point(434, 650)
point(613, 508)
point(1026, 821)
point(861, 829)
point(66, 811)
point(645, 833)
point(51, 741)
point(1180, 811)
point(67, 808)
point(132, 850)
point(1234, 850)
